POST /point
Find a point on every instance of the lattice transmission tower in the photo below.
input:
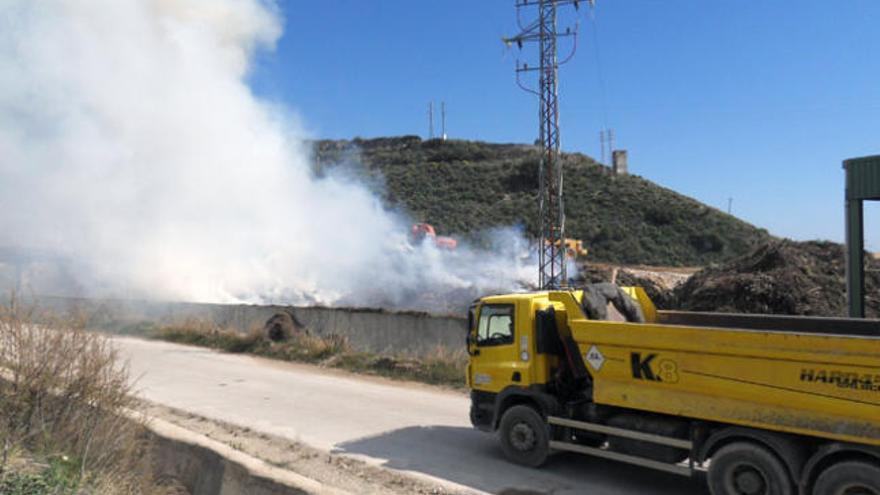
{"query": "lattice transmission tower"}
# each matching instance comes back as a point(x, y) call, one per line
point(551, 213)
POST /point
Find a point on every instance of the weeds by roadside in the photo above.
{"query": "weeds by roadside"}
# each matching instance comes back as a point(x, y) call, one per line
point(442, 367)
point(59, 475)
point(63, 395)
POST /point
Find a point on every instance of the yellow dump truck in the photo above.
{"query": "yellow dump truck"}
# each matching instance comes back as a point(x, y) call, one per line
point(766, 405)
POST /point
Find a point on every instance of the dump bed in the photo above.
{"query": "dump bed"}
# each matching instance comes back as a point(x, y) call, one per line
point(815, 380)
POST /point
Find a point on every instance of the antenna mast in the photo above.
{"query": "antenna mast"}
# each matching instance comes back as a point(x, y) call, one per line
point(443, 120)
point(431, 120)
point(551, 214)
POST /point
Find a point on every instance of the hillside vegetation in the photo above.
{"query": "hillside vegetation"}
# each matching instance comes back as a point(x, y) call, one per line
point(465, 187)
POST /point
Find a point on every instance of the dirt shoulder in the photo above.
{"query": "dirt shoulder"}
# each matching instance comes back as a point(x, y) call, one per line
point(336, 470)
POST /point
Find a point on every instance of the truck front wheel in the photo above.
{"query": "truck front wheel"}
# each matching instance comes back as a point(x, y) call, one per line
point(525, 436)
point(849, 478)
point(745, 468)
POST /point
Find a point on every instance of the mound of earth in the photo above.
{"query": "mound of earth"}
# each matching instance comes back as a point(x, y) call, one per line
point(780, 277)
point(659, 289)
point(467, 188)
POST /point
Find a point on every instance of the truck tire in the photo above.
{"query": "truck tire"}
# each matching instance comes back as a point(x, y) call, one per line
point(745, 468)
point(525, 436)
point(849, 478)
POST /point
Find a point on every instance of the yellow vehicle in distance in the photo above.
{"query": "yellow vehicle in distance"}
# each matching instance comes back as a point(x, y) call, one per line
point(574, 248)
point(768, 405)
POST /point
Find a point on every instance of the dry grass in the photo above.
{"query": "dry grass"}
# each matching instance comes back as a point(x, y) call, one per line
point(63, 399)
point(441, 367)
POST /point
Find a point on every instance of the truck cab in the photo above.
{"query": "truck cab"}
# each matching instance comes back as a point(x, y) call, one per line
point(510, 358)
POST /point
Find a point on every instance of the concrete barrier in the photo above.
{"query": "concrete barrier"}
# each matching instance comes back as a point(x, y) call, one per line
point(206, 467)
point(372, 330)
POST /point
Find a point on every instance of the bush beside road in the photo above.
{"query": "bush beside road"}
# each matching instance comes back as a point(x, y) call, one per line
point(64, 404)
point(443, 367)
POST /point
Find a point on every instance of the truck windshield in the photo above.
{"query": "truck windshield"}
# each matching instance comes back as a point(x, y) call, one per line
point(496, 325)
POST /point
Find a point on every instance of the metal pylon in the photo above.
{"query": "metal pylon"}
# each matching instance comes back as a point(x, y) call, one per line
point(551, 211)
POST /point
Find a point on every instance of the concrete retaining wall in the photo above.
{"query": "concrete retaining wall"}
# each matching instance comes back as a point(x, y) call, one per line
point(373, 330)
point(206, 467)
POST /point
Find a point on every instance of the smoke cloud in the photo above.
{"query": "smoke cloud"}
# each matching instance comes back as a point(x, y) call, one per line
point(132, 149)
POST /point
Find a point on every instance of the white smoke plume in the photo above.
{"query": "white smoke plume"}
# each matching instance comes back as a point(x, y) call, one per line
point(132, 147)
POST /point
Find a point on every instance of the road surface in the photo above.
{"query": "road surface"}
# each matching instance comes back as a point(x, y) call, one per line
point(404, 427)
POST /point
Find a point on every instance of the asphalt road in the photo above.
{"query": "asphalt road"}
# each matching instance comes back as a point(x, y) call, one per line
point(405, 427)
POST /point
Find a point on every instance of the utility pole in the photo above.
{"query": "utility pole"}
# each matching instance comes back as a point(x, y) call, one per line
point(430, 120)
point(606, 143)
point(443, 120)
point(551, 213)
point(729, 205)
point(611, 144)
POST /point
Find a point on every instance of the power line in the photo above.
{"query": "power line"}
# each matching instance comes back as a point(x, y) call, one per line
point(606, 135)
point(551, 213)
point(600, 73)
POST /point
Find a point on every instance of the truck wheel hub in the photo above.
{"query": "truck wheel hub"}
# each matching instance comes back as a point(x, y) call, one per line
point(522, 437)
point(748, 480)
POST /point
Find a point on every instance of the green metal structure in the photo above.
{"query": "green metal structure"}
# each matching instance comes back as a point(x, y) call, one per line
point(862, 183)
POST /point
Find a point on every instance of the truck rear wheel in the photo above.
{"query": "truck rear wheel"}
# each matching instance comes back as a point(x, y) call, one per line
point(525, 436)
point(849, 478)
point(745, 468)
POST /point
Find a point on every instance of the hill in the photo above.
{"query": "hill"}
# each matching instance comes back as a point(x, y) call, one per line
point(465, 187)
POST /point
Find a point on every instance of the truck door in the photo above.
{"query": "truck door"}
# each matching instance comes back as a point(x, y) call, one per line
point(494, 356)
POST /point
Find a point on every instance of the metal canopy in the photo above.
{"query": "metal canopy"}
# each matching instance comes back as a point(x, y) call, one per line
point(863, 177)
point(862, 183)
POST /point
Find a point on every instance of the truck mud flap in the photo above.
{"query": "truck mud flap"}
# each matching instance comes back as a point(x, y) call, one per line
point(623, 433)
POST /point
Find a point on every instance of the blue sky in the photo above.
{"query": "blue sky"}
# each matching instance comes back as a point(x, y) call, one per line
point(759, 101)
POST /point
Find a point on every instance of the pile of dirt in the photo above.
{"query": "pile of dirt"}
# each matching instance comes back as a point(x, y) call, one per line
point(780, 277)
point(660, 291)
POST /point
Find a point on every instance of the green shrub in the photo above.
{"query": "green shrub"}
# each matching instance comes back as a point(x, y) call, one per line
point(14, 483)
